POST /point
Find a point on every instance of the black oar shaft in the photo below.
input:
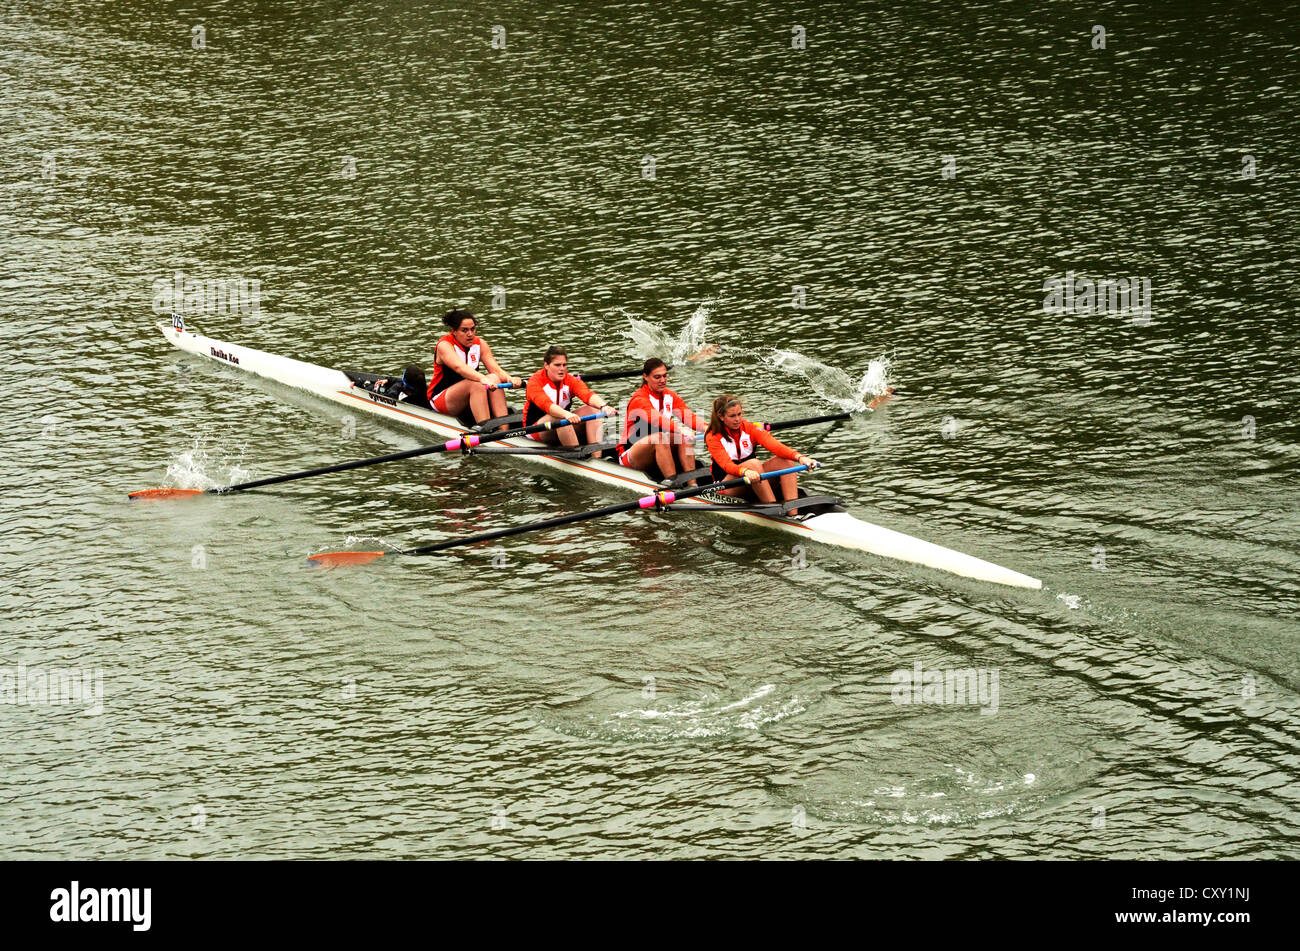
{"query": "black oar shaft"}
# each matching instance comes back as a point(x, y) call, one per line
point(520, 529)
point(468, 440)
point(809, 421)
point(612, 375)
point(325, 470)
point(668, 496)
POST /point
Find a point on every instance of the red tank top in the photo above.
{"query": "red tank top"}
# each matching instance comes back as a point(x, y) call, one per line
point(442, 377)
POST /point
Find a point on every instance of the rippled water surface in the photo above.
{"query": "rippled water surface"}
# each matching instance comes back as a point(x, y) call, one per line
point(657, 685)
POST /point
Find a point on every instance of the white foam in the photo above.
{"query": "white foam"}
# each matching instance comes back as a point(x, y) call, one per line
point(834, 385)
point(202, 468)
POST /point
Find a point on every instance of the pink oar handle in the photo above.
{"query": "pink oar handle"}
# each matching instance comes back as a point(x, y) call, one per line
point(659, 498)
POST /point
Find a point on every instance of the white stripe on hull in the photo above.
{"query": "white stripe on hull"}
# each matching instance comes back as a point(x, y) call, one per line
point(832, 528)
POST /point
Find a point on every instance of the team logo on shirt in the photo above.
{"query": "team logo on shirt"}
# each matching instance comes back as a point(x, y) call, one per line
point(562, 396)
point(739, 449)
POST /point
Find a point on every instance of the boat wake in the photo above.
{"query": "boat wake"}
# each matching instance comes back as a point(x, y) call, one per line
point(834, 385)
point(894, 780)
point(202, 468)
point(706, 717)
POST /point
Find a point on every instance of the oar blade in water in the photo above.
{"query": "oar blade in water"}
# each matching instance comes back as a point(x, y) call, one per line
point(340, 559)
point(150, 495)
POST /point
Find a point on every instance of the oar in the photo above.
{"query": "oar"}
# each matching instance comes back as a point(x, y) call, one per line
point(807, 421)
point(467, 441)
point(658, 500)
point(833, 417)
point(612, 375)
point(710, 351)
point(792, 423)
point(887, 395)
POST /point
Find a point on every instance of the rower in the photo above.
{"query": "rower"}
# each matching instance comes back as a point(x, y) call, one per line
point(457, 385)
point(550, 394)
point(733, 443)
point(659, 428)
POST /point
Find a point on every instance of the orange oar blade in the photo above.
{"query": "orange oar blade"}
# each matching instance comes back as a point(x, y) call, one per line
point(884, 397)
point(337, 559)
point(150, 494)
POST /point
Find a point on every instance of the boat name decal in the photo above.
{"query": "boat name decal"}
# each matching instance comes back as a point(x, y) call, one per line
point(222, 355)
point(381, 399)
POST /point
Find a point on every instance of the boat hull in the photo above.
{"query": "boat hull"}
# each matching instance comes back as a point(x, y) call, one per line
point(832, 528)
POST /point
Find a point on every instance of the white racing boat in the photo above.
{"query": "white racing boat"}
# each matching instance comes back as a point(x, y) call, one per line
point(821, 519)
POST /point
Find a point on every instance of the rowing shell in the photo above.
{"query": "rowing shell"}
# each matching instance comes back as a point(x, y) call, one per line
point(831, 528)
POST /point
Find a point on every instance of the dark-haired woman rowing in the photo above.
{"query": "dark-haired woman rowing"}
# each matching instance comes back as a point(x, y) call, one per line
point(456, 385)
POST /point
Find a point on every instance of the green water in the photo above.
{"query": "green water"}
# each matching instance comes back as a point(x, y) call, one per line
point(655, 686)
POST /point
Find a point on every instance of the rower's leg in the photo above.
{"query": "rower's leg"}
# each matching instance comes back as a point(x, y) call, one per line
point(468, 393)
point(663, 455)
point(497, 403)
point(457, 397)
point(641, 453)
point(686, 453)
point(594, 429)
point(790, 489)
point(762, 490)
point(789, 483)
point(567, 436)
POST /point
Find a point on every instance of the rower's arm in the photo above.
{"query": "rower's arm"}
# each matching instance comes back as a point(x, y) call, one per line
point(663, 422)
point(693, 421)
point(583, 392)
point(640, 406)
point(490, 361)
point(771, 443)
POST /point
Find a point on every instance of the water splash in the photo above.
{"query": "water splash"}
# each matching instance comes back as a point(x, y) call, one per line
point(834, 385)
point(202, 468)
point(369, 541)
point(648, 339)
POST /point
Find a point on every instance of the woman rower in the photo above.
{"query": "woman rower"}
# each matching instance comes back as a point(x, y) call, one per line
point(456, 383)
point(733, 443)
point(551, 391)
point(659, 427)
